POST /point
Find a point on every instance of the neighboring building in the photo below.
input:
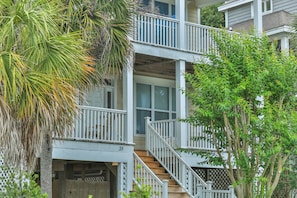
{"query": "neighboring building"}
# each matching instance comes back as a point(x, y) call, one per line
point(278, 16)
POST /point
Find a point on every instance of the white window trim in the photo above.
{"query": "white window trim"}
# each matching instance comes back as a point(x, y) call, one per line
point(271, 7)
point(153, 82)
point(169, 6)
point(263, 13)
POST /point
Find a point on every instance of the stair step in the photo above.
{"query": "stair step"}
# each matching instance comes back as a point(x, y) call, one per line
point(163, 176)
point(153, 164)
point(178, 195)
point(171, 182)
point(141, 152)
point(147, 158)
point(157, 170)
point(174, 188)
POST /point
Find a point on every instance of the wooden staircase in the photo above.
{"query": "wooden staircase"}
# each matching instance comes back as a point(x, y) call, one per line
point(174, 190)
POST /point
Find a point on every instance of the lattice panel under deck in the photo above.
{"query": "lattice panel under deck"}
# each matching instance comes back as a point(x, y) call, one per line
point(218, 176)
point(5, 173)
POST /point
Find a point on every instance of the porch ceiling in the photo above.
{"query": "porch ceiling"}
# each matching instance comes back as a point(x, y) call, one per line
point(156, 66)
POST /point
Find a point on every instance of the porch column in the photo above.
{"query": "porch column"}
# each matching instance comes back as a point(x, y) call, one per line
point(122, 179)
point(128, 97)
point(258, 21)
point(285, 44)
point(180, 7)
point(125, 173)
point(181, 131)
point(199, 15)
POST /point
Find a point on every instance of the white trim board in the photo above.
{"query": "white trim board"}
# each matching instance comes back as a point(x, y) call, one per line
point(233, 4)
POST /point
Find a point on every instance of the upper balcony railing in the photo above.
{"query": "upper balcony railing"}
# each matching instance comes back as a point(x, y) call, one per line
point(99, 125)
point(164, 31)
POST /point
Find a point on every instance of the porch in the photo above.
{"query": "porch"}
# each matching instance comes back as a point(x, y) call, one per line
point(103, 125)
point(95, 124)
point(171, 38)
point(100, 135)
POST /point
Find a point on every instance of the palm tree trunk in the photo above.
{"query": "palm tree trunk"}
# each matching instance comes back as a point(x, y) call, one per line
point(46, 165)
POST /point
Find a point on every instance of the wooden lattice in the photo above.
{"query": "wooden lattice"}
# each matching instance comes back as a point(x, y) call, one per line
point(218, 176)
point(5, 173)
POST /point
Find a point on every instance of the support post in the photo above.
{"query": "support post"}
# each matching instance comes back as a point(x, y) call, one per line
point(183, 174)
point(232, 193)
point(200, 190)
point(258, 21)
point(285, 44)
point(147, 133)
point(180, 5)
point(128, 97)
point(199, 15)
point(181, 131)
point(122, 179)
point(165, 188)
point(209, 188)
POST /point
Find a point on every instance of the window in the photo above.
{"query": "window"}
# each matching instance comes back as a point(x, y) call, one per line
point(158, 7)
point(155, 101)
point(266, 6)
point(100, 96)
point(165, 9)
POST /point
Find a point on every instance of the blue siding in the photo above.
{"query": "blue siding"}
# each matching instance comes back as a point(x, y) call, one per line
point(239, 14)
point(286, 5)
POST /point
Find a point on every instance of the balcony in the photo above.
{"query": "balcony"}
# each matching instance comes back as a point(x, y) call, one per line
point(165, 32)
point(271, 21)
point(96, 124)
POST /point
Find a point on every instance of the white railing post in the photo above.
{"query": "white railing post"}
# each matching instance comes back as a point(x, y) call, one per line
point(183, 175)
point(232, 193)
point(208, 188)
point(165, 188)
point(147, 135)
point(200, 190)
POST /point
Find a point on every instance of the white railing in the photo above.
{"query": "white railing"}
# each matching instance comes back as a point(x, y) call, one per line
point(156, 30)
point(198, 38)
point(208, 192)
point(166, 129)
point(184, 175)
point(143, 177)
point(164, 31)
point(198, 138)
point(99, 124)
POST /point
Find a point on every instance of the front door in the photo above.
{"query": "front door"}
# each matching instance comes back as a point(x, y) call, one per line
point(155, 98)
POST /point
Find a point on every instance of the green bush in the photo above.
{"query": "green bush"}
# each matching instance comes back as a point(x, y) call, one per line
point(144, 191)
point(22, 185)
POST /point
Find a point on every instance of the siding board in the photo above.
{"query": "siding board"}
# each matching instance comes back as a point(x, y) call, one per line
point(286, 5)
point(239, 14)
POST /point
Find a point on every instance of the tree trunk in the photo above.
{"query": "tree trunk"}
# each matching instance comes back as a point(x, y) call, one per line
point(46, 165)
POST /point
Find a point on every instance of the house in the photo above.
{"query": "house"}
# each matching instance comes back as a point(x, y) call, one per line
point(274, 18)
point(137, 110)
point(98, 157)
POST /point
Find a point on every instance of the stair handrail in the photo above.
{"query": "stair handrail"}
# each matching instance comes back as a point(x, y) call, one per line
point(144, 176)
point(184, 175)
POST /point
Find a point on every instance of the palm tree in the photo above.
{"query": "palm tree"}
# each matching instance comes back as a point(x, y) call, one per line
point(49, 50)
